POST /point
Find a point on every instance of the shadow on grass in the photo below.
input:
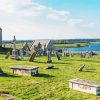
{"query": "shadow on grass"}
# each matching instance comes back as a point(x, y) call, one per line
point(44, 75)
point(8, 75)
point(89, 71)
point(51, 63)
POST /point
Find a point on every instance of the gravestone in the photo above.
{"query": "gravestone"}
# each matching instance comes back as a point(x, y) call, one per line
point(7, 55)
point(57, 55)
point(1, 71)
point(33, 55)
point(21, 54)
point(49, 57)
point(44, 50)
point(34, 52)
point(26, 49)
point(81, 68)
point(14, 51)
point(50, 67)
point(87, 55)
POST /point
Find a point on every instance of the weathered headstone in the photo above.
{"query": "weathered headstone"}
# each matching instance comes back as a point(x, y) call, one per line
point(57, 55)
point(81, 68)
point(1, 71)
point(14, 51)
point(49, 67)
point(26, 49)
point(44, 49)
point(33, 55)
point(49, 57)
point(21, 54)
point(7, 55)
point(39, 48)
point(87, 55)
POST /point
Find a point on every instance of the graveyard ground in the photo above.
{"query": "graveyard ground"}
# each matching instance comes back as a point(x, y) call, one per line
point(50, 84)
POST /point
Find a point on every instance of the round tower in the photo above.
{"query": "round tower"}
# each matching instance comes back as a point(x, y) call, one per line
point(0, 36)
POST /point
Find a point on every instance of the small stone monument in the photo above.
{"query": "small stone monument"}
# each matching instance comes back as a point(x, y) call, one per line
point(26, 49)
point(21, 54)
point(81, 68)
point(1, 71)
point(49, 57)
point(49, 67)
point(33, 55)
point(14, 51)
point(25, 70)
point(44, 50)
point(7, 55)
point(57, 55)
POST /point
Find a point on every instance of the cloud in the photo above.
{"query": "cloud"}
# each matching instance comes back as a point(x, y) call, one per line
point(55, 14)
point(56, 23)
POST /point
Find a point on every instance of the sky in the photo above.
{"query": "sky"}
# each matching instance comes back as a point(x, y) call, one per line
point(50, 19)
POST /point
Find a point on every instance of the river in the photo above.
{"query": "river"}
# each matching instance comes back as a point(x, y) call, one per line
point(90, 47)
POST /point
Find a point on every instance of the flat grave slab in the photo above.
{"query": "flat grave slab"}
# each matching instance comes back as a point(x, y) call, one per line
point(25, 70)
point(85, 86)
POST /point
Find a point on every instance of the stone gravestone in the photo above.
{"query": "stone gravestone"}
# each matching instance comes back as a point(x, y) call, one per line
point(26, 49)
point(81, 68)
point(87, 55)
point(57, 55)
point(33, 55)
point(7, 55)
point(49, 67)
point(44, 50)
point(34, 52)
point(49, 57)
point(39, 48)
point(1, 71)
point(21, 54)
point(83, 55)
point(14, 51)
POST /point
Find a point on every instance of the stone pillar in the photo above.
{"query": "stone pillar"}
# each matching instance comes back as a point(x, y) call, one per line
point(49, 57)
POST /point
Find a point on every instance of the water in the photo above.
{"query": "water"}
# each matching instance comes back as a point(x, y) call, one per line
point(90, 47)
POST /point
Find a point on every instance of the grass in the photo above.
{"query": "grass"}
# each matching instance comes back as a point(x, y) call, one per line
point(70, 45)
point(49, 84)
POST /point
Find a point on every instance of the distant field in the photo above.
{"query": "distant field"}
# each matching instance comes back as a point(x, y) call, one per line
point(49, 84)
point(68, 45)
point(18, 45)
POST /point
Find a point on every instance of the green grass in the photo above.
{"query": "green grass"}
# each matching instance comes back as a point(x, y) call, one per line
point(49, 84)
point(70, 45)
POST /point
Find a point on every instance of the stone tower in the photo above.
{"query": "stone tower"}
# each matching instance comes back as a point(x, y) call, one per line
point(0, 37)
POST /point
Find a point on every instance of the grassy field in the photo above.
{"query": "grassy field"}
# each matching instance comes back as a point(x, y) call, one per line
point(70, 45)
point(49, 84)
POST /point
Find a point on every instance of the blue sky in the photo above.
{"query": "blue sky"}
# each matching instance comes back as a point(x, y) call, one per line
point(50, 19)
